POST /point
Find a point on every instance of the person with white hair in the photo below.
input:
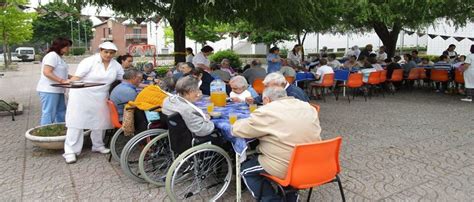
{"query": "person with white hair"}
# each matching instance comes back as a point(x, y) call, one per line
point(276, 79)
point(87, 107)
point(240, 89)
point(292, 122)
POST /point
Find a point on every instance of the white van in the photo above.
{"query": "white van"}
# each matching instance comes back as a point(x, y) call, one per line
point(25, 53)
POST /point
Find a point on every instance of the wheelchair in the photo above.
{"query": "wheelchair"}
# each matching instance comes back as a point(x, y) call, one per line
point(190, 167)
point(126, 149)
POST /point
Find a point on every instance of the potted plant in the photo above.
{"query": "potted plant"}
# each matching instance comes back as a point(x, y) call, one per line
point(51, 136)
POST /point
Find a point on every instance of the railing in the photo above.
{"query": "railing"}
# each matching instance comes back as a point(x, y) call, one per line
point(136, 36)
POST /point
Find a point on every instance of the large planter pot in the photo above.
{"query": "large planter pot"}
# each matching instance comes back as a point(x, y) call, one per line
point(51, 142)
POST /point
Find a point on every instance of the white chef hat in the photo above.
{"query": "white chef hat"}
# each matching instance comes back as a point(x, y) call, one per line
point(108, 46)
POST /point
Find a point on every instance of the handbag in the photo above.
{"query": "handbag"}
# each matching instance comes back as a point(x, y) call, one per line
point(128, 123)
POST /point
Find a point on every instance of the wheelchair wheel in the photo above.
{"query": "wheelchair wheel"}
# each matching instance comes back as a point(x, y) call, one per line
point(155, 159)
point(200, 173)
point(131, 153)
point(117, 144)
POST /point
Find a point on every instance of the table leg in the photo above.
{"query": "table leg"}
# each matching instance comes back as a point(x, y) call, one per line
point(238, 185)
point(344, 90)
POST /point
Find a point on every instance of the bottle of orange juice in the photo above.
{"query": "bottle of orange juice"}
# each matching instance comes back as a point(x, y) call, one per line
point(218, 93)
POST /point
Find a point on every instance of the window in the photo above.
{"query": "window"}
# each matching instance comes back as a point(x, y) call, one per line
point(24, 52)
point(137, 30)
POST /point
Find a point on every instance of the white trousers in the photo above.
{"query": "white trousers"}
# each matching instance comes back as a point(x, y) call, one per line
point(75, 140)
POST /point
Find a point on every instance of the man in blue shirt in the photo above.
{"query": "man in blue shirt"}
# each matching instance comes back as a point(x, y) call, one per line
point(274, 60)
point(127, 90)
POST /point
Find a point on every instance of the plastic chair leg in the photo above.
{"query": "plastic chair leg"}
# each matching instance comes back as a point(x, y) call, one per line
point(309, 194)
point(340, 188)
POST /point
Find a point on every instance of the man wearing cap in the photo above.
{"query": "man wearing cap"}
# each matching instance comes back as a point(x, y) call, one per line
point(87, 107)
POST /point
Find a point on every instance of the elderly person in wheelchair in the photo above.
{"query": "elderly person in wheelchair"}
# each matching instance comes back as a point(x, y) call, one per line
point(198, 169)
point(196, 120)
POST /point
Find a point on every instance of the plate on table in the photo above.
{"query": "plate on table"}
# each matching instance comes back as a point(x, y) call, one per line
point(243, 108)
point(215, 114)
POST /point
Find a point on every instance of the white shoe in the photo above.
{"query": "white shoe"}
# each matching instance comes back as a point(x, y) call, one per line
point(467, 99)
point(101, 150)
point(70, 158)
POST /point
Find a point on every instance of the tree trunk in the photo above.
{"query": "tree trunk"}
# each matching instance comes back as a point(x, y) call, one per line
point(5, 49)
point(9, 52)
point(388, 38)
point(302, 45)
point(178, 24)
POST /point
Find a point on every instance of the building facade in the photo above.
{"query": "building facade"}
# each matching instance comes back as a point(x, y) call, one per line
point(121, 34)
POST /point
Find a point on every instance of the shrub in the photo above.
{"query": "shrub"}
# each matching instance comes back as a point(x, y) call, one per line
point(161, 71)
point(51, 130)
point(78, 51)
point(433, 58)
point(231, 55)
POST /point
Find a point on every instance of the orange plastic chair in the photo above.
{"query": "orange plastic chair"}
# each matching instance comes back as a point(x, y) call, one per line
point(413, 75)
point(258, 85)
point(312, 165)
point(290, 79)
point(439, 75)
point(374, 78)
point(397, 75)
point(383, 76)
point(458, 76)
point(328, 81)
point(316, 106)
point(421, 73)
point(355, 82)
point(114, 116)
point(373, 81)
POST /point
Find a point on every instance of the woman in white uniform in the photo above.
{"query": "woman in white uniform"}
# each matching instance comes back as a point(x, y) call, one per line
point(87, 108)
point(53, 70)
point(469, 76)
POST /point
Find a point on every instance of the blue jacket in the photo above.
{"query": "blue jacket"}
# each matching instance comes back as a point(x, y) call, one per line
point(121, 94)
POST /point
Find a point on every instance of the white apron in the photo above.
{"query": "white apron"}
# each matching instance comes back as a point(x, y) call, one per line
point(469, 73)
point(87, 107)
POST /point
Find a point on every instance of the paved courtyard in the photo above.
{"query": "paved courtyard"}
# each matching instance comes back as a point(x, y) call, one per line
point(408, 147)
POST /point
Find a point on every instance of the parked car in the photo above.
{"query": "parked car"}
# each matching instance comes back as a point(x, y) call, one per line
point(25, 53)
point(14, 57)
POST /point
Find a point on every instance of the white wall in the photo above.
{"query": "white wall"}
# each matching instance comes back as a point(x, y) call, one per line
point(437, 45)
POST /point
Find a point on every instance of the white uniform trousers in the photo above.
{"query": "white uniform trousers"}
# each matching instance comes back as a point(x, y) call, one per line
point(75, 140)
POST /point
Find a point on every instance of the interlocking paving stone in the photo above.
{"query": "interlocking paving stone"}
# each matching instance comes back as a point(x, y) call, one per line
point(412, 146)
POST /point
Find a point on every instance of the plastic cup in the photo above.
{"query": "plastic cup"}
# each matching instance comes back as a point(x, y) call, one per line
point(252, 107)
point(210, 107)
point(232, 118)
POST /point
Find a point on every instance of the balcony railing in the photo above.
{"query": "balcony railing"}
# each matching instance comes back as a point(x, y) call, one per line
point(136, 36)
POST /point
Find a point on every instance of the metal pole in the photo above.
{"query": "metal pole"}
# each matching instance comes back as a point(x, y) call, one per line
point(72, 35)
point(317, 43)
point(79, 33)
point(231, 42)
point(85, 37)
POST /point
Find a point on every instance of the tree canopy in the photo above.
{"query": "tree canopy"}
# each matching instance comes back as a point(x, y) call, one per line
point(297, 17)
point(57, 21)
point(388, 18)
point(15, 25)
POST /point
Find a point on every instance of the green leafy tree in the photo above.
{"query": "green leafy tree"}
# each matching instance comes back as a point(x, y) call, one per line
point(177, 12)
point(58, 20)
point(168, 35)
point(15, 26)
point(204, 31)
point(388, 18)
